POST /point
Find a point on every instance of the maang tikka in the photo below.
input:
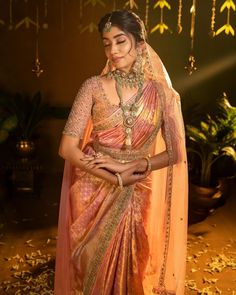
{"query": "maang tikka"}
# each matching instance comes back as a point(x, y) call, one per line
point(108, 24)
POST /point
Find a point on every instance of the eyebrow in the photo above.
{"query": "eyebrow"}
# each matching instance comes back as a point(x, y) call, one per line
point(116, 36)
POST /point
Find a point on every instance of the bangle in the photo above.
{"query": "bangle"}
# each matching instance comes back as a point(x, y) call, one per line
point(120, 181)
point(149, 166)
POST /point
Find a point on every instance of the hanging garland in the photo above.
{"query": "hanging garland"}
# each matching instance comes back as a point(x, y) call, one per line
point(179, 23)
point(45, 24)
point(191, 60)
point(80, 25)
point(131, 4)
point(227, 28)
point(161, 26)
point(94, 3)
point(91, 27)
point(213, 19)
point(146, 15)
point(27, 21)
point(37, 70)
point(11, 25)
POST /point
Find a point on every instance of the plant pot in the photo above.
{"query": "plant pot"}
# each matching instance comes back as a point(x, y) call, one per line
point(224, 185)
point(202, 201)
point(25, 148)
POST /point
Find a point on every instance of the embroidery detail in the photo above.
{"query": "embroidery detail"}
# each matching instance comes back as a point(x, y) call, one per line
point(112, 220)
point(81, 110)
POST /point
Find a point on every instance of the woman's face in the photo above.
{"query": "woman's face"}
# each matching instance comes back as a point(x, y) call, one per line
point(120, 48)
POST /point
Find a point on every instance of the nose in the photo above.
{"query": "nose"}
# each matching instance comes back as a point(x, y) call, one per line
point(113, 49)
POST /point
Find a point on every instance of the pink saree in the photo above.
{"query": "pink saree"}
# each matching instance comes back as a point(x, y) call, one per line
point(130, 241)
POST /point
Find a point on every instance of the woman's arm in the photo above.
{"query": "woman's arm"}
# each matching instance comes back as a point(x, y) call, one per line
point(69, 150)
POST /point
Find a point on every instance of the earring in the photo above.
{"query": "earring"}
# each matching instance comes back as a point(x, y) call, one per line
point(109, 66)
point(139, 61)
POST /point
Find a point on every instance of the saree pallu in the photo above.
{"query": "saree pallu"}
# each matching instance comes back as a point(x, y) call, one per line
point(130, 241)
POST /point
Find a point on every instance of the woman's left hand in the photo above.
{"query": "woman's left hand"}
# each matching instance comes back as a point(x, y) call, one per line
point(105, 162)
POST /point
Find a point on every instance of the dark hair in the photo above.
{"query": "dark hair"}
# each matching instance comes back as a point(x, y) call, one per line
point(126, 21)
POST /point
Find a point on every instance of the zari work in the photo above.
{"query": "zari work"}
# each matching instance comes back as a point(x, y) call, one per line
point(133, 240)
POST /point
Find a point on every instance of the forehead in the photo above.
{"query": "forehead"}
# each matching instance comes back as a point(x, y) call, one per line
point(115, 32)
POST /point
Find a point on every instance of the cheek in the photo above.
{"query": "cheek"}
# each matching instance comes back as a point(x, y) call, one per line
point(107, 52)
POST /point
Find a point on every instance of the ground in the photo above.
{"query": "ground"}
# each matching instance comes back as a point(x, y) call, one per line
point(28, 233)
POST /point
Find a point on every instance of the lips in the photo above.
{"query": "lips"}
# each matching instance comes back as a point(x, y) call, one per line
point(116, 59)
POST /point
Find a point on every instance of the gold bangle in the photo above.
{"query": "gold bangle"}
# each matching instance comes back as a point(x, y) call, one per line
point(120, 181)
point(149, 166)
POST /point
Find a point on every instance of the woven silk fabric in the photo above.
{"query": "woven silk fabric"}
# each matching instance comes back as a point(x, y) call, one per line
point(130, 241)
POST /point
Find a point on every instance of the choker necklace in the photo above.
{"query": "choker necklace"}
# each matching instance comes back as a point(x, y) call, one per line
point(131, 79)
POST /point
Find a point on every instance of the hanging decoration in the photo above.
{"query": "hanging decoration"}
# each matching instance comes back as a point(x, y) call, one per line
point(45, 23)
point(114, 5)
point(191, 60)
point(179, 24)
point(131, 4)
point(2, 22)
point(27, 21)
point(213, 19)
point(94, 3)
point(146, 15)
point(161, 26)
point(37, 70)
point(80, 15)
point(227, 28)
point(91, 27)
point(11, 25)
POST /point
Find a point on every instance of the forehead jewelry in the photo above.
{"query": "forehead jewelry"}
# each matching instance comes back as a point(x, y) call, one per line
point(108, 24)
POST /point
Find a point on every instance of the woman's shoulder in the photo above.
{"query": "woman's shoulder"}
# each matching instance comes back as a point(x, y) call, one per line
point(90, 82)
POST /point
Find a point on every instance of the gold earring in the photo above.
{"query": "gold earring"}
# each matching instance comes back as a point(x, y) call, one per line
point(139, 61)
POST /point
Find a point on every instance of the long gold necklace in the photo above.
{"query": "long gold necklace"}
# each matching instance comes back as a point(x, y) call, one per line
point(129, 111)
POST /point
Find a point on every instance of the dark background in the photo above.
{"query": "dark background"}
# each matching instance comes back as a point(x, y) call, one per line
point(69, 57)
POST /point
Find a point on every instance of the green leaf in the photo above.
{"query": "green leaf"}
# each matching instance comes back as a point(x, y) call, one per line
point(229, 151)
point(9, 123)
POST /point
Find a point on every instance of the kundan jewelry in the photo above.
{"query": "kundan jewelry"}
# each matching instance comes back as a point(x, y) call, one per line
point(135, 78)
point(108, 24)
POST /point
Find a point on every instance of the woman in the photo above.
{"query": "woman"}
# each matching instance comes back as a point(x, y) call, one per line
point(122, 229)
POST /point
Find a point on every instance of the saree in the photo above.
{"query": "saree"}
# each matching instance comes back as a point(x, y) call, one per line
point(131, 240)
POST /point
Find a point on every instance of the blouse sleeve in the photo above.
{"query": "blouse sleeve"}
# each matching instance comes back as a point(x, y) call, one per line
point(80, 111)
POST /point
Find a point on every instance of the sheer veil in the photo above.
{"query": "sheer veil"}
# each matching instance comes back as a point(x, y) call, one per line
point(167, 218)
point(167, 224)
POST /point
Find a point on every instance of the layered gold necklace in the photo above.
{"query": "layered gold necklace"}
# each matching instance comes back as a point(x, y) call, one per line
point(133, 79)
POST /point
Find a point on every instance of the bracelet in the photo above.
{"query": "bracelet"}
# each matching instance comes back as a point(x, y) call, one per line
point(120, 181)
point(149, 166)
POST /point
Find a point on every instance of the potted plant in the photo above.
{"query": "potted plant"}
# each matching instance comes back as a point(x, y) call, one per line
point(213, 139)
point(20, 117)
point(27, 113)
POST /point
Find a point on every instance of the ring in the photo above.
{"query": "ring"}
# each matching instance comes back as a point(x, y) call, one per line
point(98, 155)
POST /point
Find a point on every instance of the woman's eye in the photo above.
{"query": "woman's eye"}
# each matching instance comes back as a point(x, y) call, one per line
point(106, 45)
point(121, 41)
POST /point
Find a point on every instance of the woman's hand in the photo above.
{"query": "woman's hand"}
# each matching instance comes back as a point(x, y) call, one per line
point(133, 174)
point(105, 162)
